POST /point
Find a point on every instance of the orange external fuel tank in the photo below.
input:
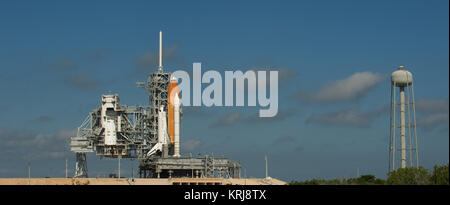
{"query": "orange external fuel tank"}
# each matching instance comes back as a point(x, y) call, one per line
point(171, 92)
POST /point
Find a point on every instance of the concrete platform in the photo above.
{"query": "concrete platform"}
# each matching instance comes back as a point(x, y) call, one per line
point(139, 181)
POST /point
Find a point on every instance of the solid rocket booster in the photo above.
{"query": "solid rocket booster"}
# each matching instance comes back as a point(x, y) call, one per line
point(176, 109)
point(172, 91)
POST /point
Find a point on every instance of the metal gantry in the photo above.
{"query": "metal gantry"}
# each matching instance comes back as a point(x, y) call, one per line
point(207, 166)
point(113, 130)
point(133, 140)
point(138, 134)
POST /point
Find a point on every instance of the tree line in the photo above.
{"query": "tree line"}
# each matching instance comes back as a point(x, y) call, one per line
point(402, 176)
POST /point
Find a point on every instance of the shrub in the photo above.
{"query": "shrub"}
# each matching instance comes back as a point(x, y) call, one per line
point(409, 176)
point(440, 175)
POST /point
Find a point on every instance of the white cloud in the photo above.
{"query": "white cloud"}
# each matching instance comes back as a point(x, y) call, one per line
point(432, 105)
point(281, 115)
point(83, 82)
point(191, 145)
point(32, 146)
point(346, 117)
point(348, 89)
point(150, 59)
point(284, 74)
point(432, 113)
point(228, 119)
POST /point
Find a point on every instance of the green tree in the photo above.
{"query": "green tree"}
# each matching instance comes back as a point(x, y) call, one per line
point(440, 175)
point(362, 180)
point(365, 179)
point(409, 176)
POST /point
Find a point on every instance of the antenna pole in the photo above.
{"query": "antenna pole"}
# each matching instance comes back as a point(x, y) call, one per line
point(267, 174)
point(66, 168)
point(160, 51)
point(29, 174)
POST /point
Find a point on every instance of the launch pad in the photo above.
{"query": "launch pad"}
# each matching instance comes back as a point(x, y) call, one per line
point(149, 133)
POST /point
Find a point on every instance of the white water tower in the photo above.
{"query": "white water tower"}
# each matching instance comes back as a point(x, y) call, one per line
point(403, 133)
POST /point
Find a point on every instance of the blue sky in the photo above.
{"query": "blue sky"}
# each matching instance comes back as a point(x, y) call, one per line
point(57, 58)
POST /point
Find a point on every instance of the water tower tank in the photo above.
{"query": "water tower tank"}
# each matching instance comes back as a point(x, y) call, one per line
point(401, 77)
